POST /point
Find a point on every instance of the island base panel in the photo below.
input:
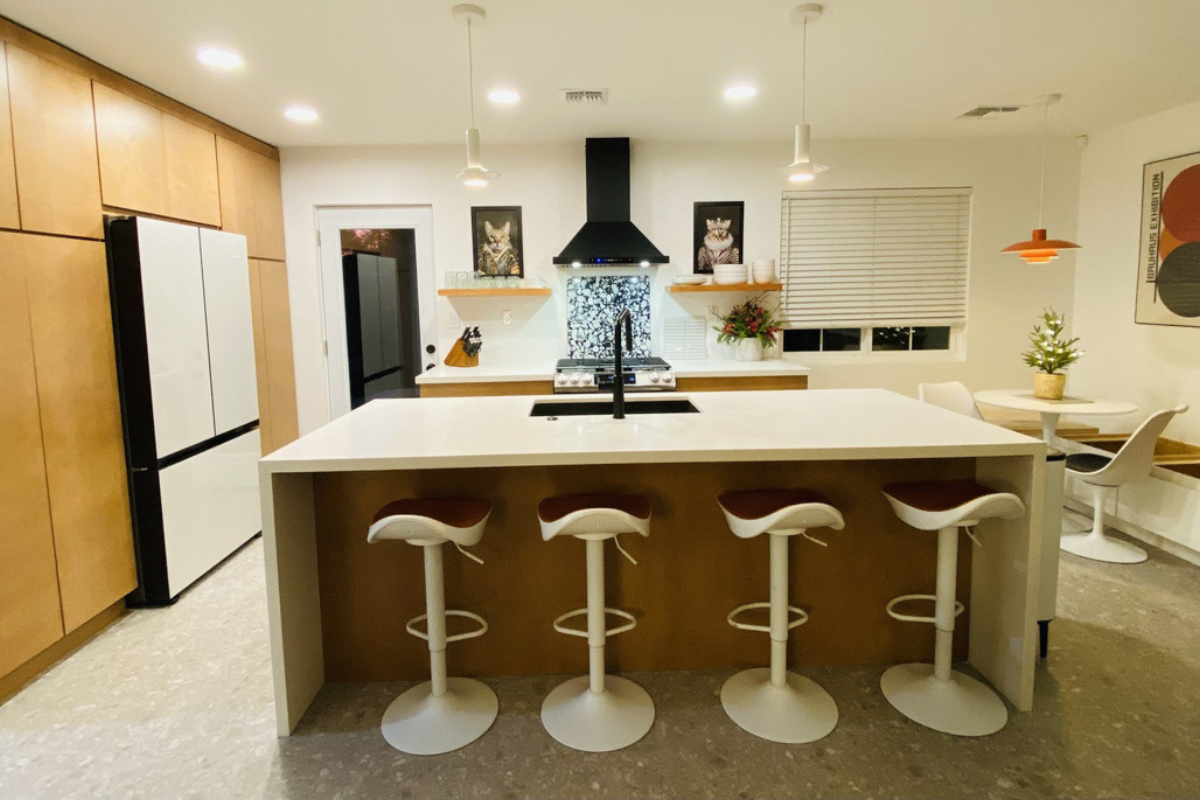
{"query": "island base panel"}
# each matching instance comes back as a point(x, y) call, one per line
point(692, 570)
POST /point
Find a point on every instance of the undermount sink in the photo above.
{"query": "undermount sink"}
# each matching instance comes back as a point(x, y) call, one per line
point(604, 408)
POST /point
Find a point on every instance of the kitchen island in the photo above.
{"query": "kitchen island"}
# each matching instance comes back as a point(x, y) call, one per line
point(338, 605)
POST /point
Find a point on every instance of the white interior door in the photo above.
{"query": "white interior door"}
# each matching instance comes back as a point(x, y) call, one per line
point(331, 221)
point(176, 334)
point(230, 328)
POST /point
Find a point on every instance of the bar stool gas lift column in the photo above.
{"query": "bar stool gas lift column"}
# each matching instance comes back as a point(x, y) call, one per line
point(443, 714)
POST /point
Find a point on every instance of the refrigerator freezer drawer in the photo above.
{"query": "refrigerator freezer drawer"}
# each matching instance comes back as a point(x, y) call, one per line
point(210, 507)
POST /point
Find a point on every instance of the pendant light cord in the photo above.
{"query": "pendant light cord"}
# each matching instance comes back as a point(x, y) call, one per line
point(1045, 134)
point(471, 71)
point(803, 70)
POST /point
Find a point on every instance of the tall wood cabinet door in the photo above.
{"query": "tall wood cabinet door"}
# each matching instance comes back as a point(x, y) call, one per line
point(192, 186)
point(260, 358)
point(71, 321)
point(268, 207)
point(30, 614)
point(235, 172)
point(10, 216)
point(277, 340)
point(133, 158)
point(54, 139)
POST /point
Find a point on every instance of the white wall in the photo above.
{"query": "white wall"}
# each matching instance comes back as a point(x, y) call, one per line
point(1006, 295)
point(1153, 366)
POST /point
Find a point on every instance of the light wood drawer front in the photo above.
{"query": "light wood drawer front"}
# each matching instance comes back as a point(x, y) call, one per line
point(10, 216)
point(30, 614)
point(54, 140)
point(81, 420)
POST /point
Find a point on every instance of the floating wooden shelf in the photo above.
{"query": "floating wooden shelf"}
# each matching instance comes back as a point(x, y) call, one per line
point(529, 291)
point(733, 287)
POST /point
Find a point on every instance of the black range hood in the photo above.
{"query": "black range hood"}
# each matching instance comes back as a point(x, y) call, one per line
point(608, 237)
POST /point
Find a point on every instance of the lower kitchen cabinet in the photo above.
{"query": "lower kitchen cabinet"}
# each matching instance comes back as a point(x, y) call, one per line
point(71, 323)
point(30, 613)
point(273, 354)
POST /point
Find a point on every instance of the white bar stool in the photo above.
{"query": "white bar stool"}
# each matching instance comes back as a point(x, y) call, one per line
point(775, 704)
point(442, 714)
point(934, 695)
point(596, 712)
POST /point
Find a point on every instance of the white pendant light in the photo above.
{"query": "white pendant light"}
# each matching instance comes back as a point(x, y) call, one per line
point(802, 169)
point(476, 176)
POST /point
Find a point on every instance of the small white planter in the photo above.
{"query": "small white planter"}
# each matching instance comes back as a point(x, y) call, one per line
point(749, 350)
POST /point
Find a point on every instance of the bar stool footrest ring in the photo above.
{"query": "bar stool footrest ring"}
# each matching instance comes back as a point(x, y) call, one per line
point(628, 626)
point(800, 615)
point(411, 626)
point(958, 608)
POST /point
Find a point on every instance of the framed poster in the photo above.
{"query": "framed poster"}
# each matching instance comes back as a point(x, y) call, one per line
point(498, 238)
point(717, 234)
point(1168, 287)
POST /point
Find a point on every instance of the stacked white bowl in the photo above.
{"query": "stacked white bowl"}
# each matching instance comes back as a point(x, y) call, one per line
point(764, 270)
point(729, 274)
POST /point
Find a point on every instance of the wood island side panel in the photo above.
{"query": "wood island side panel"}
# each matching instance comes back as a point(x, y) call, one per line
point(692, 571)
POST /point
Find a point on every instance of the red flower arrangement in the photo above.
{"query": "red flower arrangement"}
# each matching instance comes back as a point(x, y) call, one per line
point(750, 320)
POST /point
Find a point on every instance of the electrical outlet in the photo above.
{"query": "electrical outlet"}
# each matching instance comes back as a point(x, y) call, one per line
point(506, 317)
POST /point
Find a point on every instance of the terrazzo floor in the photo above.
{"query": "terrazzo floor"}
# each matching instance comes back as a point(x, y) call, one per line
point(177, 703)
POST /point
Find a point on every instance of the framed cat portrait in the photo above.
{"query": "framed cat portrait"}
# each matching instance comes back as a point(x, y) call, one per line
point(717, 234)
point(498, 240)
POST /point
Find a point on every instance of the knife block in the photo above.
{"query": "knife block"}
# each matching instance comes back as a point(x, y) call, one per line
point(458, 357)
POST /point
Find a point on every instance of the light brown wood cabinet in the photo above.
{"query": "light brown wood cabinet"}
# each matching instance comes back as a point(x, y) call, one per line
point(251, 199)
point(73, 350)
point(54, 143)
point(273, 354)
point(154, 162)
point(30, 614)
point(10, 216)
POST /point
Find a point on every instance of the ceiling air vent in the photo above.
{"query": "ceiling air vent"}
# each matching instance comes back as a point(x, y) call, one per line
point(984, 112)
point(585, 97)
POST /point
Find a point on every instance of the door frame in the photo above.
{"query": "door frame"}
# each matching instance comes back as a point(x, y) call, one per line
point(331, 221)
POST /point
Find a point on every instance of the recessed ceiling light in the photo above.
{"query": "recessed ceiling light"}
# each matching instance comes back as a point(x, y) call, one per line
point(740, 92)
point(504, 96)
point(220, 58)
point(301, 114)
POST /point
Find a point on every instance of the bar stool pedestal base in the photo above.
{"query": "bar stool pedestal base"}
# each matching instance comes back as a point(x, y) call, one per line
point(1099, 547)
point(418, 723)
point(598, 723)
point(796, 713)
point(961, 706)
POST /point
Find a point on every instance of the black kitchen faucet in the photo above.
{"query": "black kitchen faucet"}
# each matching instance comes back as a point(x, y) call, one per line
point(618, 376)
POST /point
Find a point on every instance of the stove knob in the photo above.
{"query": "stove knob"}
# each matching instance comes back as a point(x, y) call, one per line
point(574, 380)
point(654, 377)
point(560, 380)
point(587, 380)
point(668, 377)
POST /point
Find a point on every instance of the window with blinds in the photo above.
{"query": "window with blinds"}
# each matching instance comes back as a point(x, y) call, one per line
point(875, 258)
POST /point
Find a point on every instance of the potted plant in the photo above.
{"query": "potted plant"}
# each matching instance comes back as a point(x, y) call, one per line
point(1050, 355)
point(749, 327)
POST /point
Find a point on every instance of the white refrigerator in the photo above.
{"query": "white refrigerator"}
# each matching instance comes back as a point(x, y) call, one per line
point(189, 399)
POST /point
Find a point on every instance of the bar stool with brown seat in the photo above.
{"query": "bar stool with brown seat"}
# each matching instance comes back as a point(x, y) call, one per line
point(773, 703)
point(934, 695)
point(442, 714)
point(596, 712)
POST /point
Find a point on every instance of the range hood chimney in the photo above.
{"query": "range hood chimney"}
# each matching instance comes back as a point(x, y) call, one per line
point(608, 237)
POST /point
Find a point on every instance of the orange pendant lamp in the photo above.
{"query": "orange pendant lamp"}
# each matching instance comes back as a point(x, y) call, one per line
point(1039, 249)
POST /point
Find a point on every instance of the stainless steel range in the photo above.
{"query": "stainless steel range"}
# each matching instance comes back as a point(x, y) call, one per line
point(584, 375)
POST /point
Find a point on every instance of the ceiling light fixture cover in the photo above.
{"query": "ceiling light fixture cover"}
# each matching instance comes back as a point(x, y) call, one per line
point(301, 114)
point(219, 58)
point(475, 176)
point(740, 92)
point(504, 96)
point(802, 169)
point(1039, 249)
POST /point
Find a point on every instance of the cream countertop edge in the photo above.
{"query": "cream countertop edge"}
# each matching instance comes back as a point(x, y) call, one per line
point(683, 368)
point(813, 425)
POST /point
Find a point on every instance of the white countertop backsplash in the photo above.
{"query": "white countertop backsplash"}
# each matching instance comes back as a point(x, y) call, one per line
point(544, 371)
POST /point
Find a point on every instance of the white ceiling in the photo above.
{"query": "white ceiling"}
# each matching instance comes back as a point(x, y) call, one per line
point(394, 71)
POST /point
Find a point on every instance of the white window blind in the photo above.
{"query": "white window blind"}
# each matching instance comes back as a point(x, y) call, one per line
point(875, 257)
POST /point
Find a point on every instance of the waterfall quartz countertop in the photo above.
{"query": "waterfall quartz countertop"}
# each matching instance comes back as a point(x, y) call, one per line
point(814, 425)
point(683, 368)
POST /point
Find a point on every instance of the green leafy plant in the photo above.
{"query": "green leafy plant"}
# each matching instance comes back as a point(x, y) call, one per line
point(749, 320)
point(1051, 353)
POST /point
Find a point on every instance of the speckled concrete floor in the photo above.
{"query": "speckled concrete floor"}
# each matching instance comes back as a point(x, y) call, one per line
point(176, 703)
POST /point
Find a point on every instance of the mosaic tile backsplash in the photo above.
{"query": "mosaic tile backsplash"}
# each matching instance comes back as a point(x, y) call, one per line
point(593, 303)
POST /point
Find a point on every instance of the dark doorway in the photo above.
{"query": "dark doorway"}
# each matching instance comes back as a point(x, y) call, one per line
point(379, 274)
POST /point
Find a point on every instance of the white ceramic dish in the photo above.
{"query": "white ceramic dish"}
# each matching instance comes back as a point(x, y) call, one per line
point(728, 281)
point(689, 280)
